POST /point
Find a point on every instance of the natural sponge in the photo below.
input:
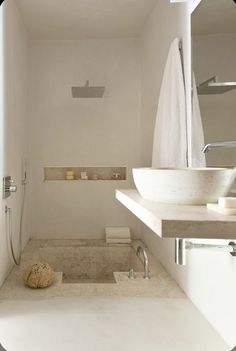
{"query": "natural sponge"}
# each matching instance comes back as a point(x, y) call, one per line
point(39, 275)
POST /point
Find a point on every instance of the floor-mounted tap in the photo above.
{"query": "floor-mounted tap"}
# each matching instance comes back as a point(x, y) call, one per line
point(145, 261)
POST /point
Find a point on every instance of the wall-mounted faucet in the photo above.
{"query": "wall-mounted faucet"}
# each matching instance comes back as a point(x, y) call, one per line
point(9, 186)
point(145, 261)
point(182, 245)
point(211, 146)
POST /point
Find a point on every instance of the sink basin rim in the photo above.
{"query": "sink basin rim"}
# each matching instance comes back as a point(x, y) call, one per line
point(184, 186)
point(186, 169)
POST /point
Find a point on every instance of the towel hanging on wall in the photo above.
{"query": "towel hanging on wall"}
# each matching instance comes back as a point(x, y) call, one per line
point(170, 134)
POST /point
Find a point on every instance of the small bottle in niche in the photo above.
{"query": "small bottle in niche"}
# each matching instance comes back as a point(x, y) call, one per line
point(70, 175)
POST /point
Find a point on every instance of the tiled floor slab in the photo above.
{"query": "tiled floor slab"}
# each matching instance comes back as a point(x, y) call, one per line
point(106, 324)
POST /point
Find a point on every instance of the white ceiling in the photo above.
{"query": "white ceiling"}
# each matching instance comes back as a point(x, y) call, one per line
point(214, 16)
point(84, 19)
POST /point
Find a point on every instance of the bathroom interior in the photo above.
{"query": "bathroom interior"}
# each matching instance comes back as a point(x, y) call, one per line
point(120, 203)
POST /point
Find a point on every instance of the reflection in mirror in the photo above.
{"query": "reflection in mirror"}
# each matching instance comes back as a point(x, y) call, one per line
point(214, 66)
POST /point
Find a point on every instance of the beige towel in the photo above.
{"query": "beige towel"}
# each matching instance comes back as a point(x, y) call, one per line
point(118, 235)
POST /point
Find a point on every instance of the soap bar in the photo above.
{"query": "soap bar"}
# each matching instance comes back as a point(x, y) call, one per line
point(222, 210)
point(227, 202)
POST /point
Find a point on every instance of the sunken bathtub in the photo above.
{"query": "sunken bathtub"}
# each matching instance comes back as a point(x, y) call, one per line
point(90, 261)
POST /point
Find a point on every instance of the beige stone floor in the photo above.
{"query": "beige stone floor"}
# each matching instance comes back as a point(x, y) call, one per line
point(131, 315)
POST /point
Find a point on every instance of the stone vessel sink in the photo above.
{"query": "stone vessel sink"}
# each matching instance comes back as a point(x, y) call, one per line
point(184, 186)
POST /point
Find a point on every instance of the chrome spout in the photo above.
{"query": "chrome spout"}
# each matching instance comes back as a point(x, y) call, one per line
point(145, 261)
point(223, 144)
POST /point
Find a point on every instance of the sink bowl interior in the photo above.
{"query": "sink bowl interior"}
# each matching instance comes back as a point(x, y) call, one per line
point(184, 186)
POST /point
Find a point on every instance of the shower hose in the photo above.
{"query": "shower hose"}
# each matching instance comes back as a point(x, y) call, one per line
point(16, 257)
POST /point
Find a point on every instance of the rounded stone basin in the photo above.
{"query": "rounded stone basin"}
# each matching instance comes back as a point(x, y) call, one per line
point(184, 186)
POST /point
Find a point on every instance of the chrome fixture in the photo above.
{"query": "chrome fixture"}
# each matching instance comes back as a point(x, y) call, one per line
point(15, 259)
point(180, 254)
point(212, 86)
point(211, 146)
point(9, 186)
point(88, 91)
point(131, 274)
point(145, 261)
point(181, 245)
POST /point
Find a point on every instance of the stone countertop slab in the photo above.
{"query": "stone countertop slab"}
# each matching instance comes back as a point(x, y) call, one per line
point(178, 221)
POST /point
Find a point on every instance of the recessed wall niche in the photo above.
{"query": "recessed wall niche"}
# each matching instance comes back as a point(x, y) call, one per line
point(116, 173)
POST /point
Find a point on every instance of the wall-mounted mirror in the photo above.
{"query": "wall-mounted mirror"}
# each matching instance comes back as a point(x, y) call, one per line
point(214, 66)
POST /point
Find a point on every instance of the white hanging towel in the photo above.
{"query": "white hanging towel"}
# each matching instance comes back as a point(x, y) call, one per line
point(170, 135)
point(198, 158)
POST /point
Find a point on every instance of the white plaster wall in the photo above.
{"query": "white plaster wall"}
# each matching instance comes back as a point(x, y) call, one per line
point(13, 123)
point(208, 278)
point(82, 132)
point(4, 267)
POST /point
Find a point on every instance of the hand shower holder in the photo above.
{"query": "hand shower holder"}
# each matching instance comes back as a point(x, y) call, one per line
point(181, 245)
